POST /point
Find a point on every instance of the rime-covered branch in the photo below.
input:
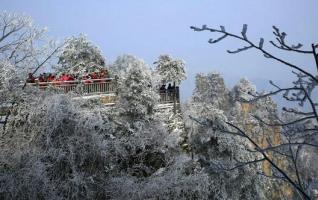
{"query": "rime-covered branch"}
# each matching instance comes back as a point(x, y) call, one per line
point(259, 149)
point(258, 47)
point(23, 46)
point(294, 125)
point(286, 123)
point(281, 39)
point(289, 144)
point(273, 164)
point(239, 165)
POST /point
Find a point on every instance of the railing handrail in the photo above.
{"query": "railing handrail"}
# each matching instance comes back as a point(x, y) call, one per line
point(54, 82)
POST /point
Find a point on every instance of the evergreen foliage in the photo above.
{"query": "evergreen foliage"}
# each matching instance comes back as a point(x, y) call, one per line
point(80, 57)
point(137, 94)
point(171, 70)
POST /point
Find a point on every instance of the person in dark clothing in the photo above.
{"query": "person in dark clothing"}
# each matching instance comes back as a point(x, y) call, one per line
point(170, 88)
point(45, 76)
point(41, 78)
point(170, 92)
point(31, 78)
point(162, 89)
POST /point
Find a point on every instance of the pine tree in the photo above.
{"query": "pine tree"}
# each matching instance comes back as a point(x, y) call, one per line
point(136, 88)
point(210, 88)
point(80, 57)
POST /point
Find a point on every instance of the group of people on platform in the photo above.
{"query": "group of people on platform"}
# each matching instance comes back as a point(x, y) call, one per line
point(169, 90)
point(49, 77)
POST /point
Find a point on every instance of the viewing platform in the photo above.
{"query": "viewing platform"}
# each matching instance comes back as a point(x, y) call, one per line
point(104, 87)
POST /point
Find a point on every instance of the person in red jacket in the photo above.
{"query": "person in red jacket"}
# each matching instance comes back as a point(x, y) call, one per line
point(94, 76)
point(50, 78)
point(86, 79)
point(70, 78)
point(63, 78)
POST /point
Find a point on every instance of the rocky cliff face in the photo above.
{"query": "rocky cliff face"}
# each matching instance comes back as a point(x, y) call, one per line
point(234, 104)
point(263, 136)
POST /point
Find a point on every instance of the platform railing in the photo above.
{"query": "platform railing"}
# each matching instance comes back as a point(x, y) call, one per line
point(89, 86)
point(167, 96)
point(99, 86)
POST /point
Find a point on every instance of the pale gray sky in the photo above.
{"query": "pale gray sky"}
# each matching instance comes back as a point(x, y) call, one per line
point(149, 28)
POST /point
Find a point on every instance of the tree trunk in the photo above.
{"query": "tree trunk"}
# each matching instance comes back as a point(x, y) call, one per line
point(174, 98)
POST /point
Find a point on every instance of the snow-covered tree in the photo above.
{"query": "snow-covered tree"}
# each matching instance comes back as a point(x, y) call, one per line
point(119, 67)
point(56, 148)
point(215, 142)
point(53, 151)
point(80, 57)
point(171, 70)
point(301, 91)
point(10, 80)
point(24, 44)
point(136, 88)
point(244, 90)
point(181, 179)
point(24, 48)
point(303, 158)
point(210, 88)
point(218, 153)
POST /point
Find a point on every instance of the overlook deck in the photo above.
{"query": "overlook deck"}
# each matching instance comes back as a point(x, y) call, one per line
point(93, 87)
point(103, 89)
